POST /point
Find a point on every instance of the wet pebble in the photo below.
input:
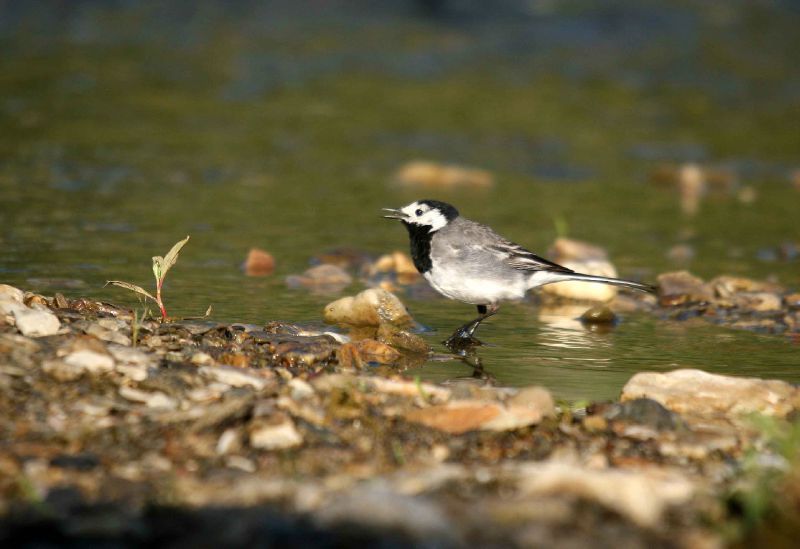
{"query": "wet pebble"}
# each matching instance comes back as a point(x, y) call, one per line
point(368, 308)
point(757, 301)
point(599, 314)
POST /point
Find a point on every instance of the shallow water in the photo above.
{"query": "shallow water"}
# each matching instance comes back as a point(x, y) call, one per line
point(122, 130)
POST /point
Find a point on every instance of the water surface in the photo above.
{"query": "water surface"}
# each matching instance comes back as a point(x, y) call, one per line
point(122, 129)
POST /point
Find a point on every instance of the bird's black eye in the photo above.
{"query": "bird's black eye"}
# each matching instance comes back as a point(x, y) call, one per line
point(418, 212)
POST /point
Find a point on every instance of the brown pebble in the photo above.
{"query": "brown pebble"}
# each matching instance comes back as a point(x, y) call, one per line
point(259, 263)
point(599, 314)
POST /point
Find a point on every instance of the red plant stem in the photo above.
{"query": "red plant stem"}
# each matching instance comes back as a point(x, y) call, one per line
point(160, 303)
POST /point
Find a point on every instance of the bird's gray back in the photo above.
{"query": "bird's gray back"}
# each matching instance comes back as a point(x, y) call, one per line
point(479, 249)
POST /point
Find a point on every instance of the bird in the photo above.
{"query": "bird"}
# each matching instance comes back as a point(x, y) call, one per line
point(469, 262)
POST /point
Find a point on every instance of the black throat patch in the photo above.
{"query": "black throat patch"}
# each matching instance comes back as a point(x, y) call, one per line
point(420, 237)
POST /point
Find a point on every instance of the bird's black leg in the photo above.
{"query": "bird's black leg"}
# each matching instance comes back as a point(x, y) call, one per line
point(464, 335)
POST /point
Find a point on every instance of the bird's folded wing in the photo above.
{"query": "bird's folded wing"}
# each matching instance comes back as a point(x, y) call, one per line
point(519, 258)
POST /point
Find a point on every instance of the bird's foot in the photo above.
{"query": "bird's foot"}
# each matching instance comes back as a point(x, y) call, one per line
point(462, 341)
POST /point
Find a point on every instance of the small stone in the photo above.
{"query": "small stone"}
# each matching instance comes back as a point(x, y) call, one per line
point(259, 263)
point(368, 308)
point(276, 436)
point(113, 336)
point(61, 371)
point(792, 301)
point(681, 253)
point(423, 173)
point(599, 314)
point(375, 351)
point(643, 411)
point(34, 323)
point(300, 389)
point(323, 278)
point(229, 441)
point(595, 423)
point(9, 306)
point(90, 361)
point(568, 249)
point(533, 398)
point(757, 301)
point(402, 339)
point(11, 293)
point(461, 416)
point(698, 392)
point(156, 399)
point(585, 291)
point(726, 286)
point(348, 357)
point(202, 359)
point(681, 286)
point(233, 377)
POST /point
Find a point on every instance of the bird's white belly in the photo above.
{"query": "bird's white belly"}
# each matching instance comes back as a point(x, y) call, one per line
point(472, 289)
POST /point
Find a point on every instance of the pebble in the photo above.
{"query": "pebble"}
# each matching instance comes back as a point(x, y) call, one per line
point(61, 371)
point(300, 389)
point(599, 314)
point(275, 436)
point(106, 334)
point(681, 286)
point(461, 416)
point(584, 258)
point(229, 441)
point(697, 392)
point(368, 308)
point(259, 263)
point(757, 301)
point(202, 359)
point(11, 293)
point(155, 399)
point(90, 361)
point(423, 173)
point(33, 323)
point(233, 377)
point(324, 278)
point(375, 351)
point(642, 496)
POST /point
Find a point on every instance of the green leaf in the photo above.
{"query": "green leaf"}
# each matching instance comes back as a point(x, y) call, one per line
point(131, 287)
point(158, 263)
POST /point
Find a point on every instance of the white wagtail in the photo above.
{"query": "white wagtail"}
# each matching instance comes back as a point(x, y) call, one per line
point(469, 262)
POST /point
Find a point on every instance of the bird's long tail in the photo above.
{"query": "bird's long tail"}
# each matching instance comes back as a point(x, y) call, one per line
point(561, 277)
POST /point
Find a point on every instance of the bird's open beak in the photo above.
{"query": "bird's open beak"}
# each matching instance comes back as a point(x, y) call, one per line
point(394, 214)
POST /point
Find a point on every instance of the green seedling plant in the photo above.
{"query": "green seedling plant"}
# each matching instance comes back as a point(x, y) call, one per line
point(161, 265)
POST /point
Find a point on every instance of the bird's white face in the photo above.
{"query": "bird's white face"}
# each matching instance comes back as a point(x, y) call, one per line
point(423, 215)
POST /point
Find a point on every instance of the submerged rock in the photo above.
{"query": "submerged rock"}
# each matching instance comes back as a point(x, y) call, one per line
point(323, 278)
point(259, 263)
point(368, 308)
point(424, 173)
point(698, 392)
point(599, 314)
